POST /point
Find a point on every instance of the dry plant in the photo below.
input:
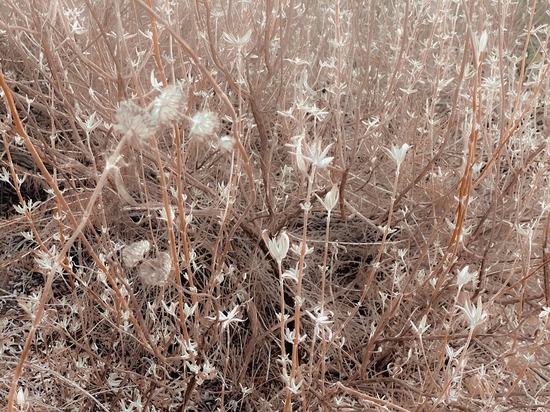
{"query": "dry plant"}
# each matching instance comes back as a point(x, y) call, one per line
point(274, 205)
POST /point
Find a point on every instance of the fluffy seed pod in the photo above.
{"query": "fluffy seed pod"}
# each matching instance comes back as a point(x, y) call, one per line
point(155, 272)
point(169, 106)
point(135, 122)
point(204, 124)
point(134, 253)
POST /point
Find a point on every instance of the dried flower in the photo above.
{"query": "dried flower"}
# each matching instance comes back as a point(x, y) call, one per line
point(204, 124)
point(134, 253)
point(155, 271)
point(135, 122)
point(226, 144)
point(168, 107)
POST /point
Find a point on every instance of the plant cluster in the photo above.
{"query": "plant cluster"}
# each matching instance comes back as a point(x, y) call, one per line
point(274, 205)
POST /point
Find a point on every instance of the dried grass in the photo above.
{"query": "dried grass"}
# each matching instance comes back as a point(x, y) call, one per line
point(405, 142)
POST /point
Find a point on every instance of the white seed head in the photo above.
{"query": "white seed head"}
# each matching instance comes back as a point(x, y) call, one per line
point(204, 124)
point(132, 120)
point(134, 253)
point(226, 144)
point(168, 107)
point(155, 272)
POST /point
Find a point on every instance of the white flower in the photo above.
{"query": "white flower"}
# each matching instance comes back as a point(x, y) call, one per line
point(291, 274)
point(300, 162)
point(452, 353)
point(464, 277)
point(322, 319)
point(47, 260)
point(278, 247)
point(475, 315)
point(238, 42)
point(422, 326)
point(482, 42)
point(226, 144)
point(90, 124)
point(331, 198)
point(317, 157)
point(310, 152)
point(297, 249)
point(21, 397)
point(291, 334)
point(231, 317)
point(321, 316)
point(5, 175)
point(318, 114)
point(544, 313)
point(398, 155)
point(292, 385)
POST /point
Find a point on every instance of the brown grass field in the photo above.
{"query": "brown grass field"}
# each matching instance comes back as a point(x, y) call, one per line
point(274, 205)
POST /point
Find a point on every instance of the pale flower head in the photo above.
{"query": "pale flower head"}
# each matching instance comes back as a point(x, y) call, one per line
point(226, 144)
point(313, 153)
point(300, 161)
point(21, 398)
point(226, 319)
point(278, 247)
point(317, 156)
point(464, 277)
point(135, 253)
point(135, 122)
point(398, 155)
point(474, 314)
point(238, 42)
point(204, 124)
point(331, 198)
point(155, 272)
point(169, 106)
